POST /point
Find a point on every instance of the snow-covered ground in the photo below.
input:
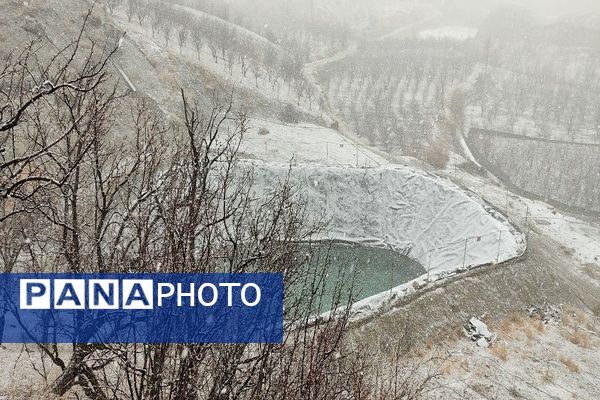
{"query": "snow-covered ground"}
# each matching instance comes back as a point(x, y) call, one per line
point(526, 126)
point(305, 143)
point(529, 360)
point(449, 32)
point(579, 237)
point(582, 238)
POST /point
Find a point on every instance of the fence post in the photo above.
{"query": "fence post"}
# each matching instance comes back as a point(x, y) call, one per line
point(327, 147)
point(429, 266)
point(465, 252)
point(499, 242)
point(392, 279)
point(356, 147)
point(527, 223)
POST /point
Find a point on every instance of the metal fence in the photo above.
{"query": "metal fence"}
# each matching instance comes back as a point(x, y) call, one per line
point(463, 254)
point(318, 152)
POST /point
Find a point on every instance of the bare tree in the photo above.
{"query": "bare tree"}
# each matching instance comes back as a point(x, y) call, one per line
point(197, 40)
point(166, 31)
point(31, 93)
point(132, 9)
point(190, 206)
point(243, 55)
point(300, 86)
point(256, 71)
point(155, 17)
point(231, 53)
point(214, 50)
point(143, 11)
point(456, 108)
point(182, 35)
point(112, 5)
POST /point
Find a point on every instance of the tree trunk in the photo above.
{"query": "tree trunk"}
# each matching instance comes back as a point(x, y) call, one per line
point(66, 380)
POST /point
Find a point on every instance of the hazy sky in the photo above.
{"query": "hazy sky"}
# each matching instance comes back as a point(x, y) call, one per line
point(548, 10)
point(552, 8)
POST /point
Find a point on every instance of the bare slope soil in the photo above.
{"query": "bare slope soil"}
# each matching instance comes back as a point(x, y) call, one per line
point(545, 275)
point(528, 358)
point(531, 358)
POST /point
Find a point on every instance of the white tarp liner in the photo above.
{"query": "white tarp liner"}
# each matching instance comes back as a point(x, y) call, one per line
point(423, 216)
point(415, 213)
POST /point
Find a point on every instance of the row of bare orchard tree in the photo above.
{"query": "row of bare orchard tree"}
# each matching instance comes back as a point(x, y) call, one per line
point(267, 62)
point(76, 195)
point(306, 36)
point(553, 89)
point(395, 93)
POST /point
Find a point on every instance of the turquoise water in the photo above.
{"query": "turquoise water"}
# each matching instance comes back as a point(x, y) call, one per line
point(360, 271)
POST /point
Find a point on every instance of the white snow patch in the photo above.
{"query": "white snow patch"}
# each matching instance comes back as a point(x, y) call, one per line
point(478, 332)
point(449, 32)
point(305, 143)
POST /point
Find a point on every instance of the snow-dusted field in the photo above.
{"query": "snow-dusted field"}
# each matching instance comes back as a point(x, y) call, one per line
point(536, 167)
point(526, 126)
point(530, 360)
point(305, 143)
